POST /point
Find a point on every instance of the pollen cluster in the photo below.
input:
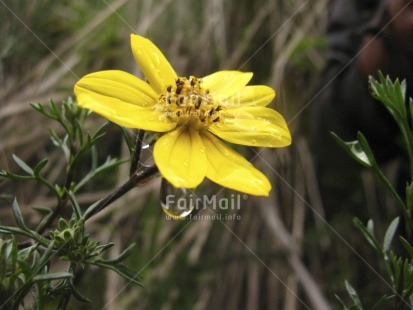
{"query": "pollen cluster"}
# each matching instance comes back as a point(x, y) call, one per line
point(188, 103)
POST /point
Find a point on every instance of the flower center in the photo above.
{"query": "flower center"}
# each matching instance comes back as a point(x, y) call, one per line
point(188, 104)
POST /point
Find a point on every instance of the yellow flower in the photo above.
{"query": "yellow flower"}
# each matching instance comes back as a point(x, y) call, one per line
point(194, 114)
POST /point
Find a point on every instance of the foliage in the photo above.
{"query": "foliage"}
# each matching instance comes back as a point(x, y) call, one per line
point(25, 266)
point(398, 267)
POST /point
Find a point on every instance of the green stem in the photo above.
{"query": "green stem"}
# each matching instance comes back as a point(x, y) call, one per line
point(62, 201)
point(396, 196)
point(408, 141)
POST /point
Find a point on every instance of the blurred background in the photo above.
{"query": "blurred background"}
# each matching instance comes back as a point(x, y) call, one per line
point(281, 252)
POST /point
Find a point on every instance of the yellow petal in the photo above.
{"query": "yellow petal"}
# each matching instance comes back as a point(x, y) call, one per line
point(253, 126)
point(123, 99)
point(229, 169)
point(118, 86)
point(224, 84)
point(180, 157)
point(153, 64)
point(257, 95)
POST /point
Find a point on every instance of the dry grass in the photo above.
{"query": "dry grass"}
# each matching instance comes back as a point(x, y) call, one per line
point(270, 259)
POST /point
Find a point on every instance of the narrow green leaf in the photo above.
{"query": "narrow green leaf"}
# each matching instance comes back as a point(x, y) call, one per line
point(355, 150)
point(18, 217)
point(92, 209)
point(56, 140)
point(407, 246)
point(353, 295)
point(411, 108)
point(75, 206)
point(39, 108)
point(40, 166)
point(42, 210)
point(45, 258)
point(122, 256)
point(366, 149)
point(368, 234)
point(52, 276)
point(127, 273)
point(16, 177)
point(22, 164)
point(409, 197)
point(55, 110)
point(76, 294)
point(9, 230)
point(128, 139)
point(100, 132)
point(12, 249)
point(398, 96)
point(408, 279)
point(383, 301)
point(388, 237)
point(342, 303)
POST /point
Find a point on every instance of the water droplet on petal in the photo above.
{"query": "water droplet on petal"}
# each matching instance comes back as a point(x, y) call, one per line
point(253, 141)
point(177, 203)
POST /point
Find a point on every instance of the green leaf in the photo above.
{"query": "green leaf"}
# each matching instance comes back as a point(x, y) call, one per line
point(383, 301)
point(15, 177)
point(40, 166)
point(45, 258)
point(409, 197)
point(122, 256)
point(39, 108)
point(411, 107)
point(368, 234)
point(103, 247)
point(43, 211)
point(76, 294)
point(92, 209)
point(407, 246)
point(130, 142)
point(75, 206)
point(388, 237)
point(391, 95)
point(356, 150)
point(122, 270)
point(18, 216)
point(343, 304)
point(353, 295)
point(55, 110)
point(408, 279)
point(9, 230)
point(52, 276)
point(23, 165)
